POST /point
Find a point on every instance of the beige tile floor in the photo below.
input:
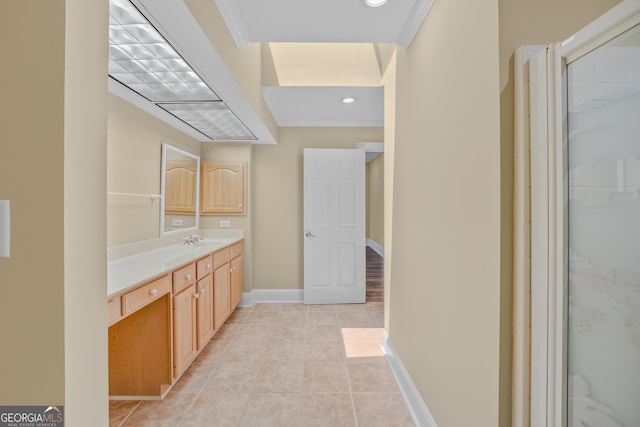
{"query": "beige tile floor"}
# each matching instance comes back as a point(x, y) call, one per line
point(280, 365)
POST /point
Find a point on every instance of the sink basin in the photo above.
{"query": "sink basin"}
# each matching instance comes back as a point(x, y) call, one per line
point(206, 243)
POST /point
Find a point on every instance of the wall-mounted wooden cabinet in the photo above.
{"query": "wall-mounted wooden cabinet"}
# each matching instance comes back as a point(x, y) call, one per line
point(180, 187)
point(223, 188)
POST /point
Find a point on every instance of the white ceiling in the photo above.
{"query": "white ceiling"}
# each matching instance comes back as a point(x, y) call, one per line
point(323, 51)
point(295, 106)
point(334, 21)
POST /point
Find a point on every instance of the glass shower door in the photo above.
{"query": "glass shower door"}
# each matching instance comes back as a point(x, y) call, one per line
point(603, 348)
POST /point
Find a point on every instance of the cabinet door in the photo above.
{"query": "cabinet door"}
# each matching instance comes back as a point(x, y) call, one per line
point(222, 188)
point(180, 187)
point(236, 281)
point(221, 296)
point(184, 329)
point(205, 310)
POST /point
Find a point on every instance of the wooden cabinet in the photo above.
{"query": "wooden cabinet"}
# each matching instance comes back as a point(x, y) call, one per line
point(204, 311)
point(204, 266)
point(144, 295)
point(223, 188)
point(185, 345)
point(180, 187)
point(184, 277)
point(157, 328)
point(140, 340)
point(236, 281)
point(113, 310)
point(221, 296)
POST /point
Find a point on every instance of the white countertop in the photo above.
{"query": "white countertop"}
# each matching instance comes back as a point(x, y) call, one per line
point(130, 271)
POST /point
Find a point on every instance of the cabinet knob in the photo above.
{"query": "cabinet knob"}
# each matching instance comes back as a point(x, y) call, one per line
point(202, 290)
point(240, 205)
point(153, 292)
point(208, 266)
point(188, 277)
point(196, 295)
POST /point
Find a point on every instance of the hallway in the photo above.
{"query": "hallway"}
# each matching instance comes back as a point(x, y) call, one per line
point(375, 276)
point(283, 365)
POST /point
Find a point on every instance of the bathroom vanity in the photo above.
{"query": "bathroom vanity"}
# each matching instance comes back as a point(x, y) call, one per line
point(164, 306)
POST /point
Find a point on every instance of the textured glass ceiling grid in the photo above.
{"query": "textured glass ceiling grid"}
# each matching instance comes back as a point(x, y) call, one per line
point(122, 11)
point(213, 119)
point(141, 59)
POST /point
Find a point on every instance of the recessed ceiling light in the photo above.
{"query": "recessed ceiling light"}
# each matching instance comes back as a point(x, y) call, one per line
point(348, 100)
point(375, 3)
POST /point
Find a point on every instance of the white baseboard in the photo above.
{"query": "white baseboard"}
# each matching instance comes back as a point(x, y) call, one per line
point(376, 247)
point(418, 409)
point(271, 295)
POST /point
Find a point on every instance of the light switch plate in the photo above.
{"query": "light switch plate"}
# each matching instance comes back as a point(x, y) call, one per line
point(5, 228)
point(225, 224)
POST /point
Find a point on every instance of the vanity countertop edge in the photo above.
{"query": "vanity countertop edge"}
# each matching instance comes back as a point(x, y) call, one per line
point(129, 272)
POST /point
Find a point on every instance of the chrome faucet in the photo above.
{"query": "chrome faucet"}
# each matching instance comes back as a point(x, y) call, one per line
point(193, 239)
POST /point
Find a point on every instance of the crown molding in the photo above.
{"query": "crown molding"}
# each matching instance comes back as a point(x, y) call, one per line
point(271, 105)
point(230, 16)
point(420, 11)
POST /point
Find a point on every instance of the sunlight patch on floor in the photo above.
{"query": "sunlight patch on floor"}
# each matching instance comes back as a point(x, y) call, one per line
point(362, 342)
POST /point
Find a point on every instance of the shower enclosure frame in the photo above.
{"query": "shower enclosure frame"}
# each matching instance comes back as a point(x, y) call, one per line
point(540, 314)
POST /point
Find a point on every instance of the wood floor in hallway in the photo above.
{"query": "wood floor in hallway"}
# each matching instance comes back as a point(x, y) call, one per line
point(375, 276)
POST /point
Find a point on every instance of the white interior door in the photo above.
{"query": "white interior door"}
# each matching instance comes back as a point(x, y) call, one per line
point(334, 226)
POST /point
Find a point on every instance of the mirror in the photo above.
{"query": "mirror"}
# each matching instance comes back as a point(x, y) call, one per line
point(180, 189)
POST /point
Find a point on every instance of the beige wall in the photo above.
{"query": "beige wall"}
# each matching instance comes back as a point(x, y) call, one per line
point(389, 81)
point(375, 200)
point(520, 24)
point(235, 152)
point(277, 200)
point(32, 178)
point(52, 168)
point(85, 271)
point(445, 276)
point(134, 153)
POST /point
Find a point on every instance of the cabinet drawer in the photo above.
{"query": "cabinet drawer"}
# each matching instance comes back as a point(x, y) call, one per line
point(184, 277)
point(220, 258)
point(204, 266)
point(146, 294)
point(235, 250)
point(113, 310)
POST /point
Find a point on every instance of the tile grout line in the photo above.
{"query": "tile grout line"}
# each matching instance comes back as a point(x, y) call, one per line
point(130, 413)
point(353, 402)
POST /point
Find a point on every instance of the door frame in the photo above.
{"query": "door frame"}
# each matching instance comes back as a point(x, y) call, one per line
point(540, 243)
